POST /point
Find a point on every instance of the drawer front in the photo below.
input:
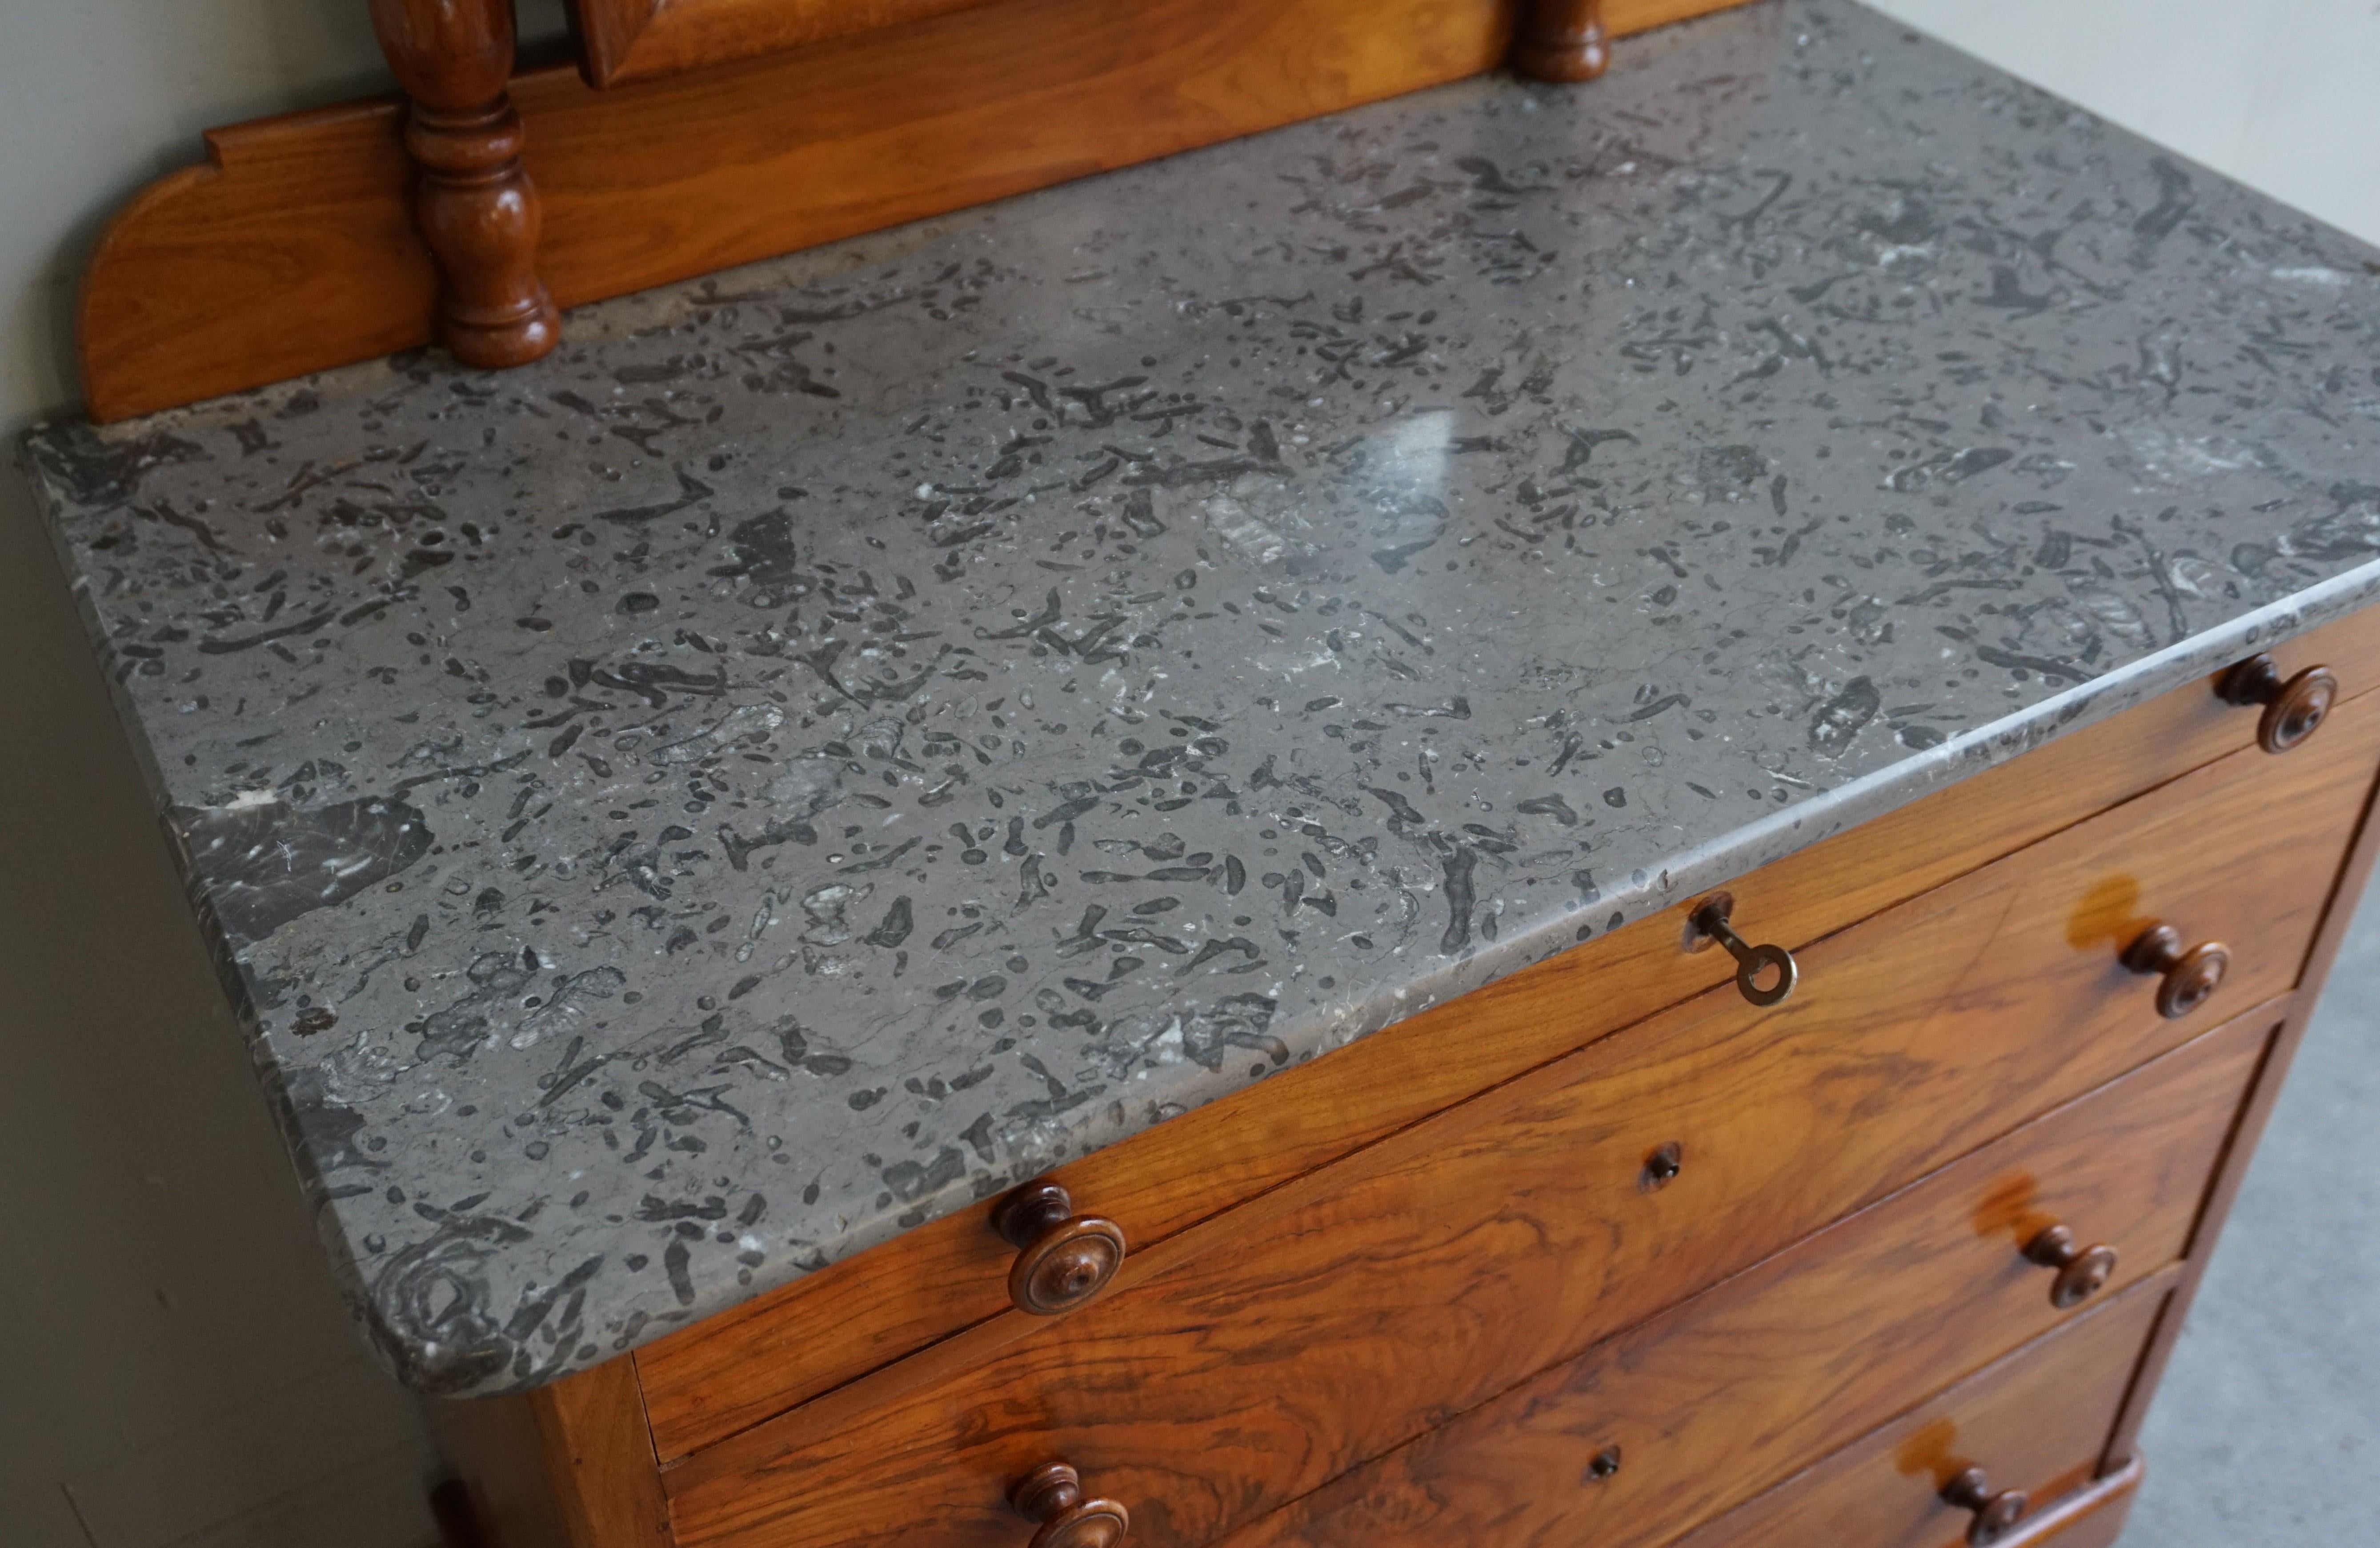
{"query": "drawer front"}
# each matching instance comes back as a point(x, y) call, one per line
point(2037, 1421)
point(1350, 1311)
point(739, 1368)
point(1715, 1400)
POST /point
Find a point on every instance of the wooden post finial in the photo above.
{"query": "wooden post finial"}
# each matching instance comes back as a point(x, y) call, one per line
point(1563, 41)
point(477, 208)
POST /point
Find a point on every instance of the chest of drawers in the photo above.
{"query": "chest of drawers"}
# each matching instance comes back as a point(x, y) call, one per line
point(1522, 816)
point(1607, 1249)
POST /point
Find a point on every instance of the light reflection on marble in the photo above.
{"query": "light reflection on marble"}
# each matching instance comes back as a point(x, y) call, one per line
point(843, 736)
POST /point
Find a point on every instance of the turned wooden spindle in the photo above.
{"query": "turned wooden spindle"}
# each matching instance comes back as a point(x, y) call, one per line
point(1562, 40)
point(476, 206)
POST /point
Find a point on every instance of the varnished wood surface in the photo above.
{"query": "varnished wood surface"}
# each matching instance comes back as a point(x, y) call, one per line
point(2091, 1517)
point(2338, 915)
point(292, 250)
point(745, 1365)
point(599, 1448)
point(1562, 41)
point(1723, 1397)
point(1921, 1029)
point(567, 1466)
point(1243, 1400)
point(635, 40)
point(474, 204)
point(2036, 1420)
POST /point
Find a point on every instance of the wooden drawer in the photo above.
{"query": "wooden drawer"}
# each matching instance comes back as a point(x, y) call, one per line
point(2037, 1421)
point(1340, 1316)
point(1712, 1402)
point(742, 1368)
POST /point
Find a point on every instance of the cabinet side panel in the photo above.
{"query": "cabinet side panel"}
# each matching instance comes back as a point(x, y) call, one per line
point(2354, 879)
point(599, 1454)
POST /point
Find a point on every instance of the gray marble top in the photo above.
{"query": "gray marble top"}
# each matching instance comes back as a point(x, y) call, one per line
point(841, 737)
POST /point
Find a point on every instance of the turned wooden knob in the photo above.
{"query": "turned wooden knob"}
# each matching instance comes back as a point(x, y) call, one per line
point(1752, 963)
point(2294, 709)
point(2190, 974)
point(2082, 1271)
point(1062, 1259)
point(1562, 41)
point(1995, 1512)
point(1052, 1495)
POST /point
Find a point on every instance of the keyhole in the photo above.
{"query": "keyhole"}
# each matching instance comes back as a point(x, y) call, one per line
point(1662, 1166)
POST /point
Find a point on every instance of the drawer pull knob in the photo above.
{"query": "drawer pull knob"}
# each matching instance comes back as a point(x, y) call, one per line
point(2190, 976)
point(2294, 709)
point(2082, 1271)
point(1062, 1259)
point(1051, 1495)
point(1711, 920)
point(1995, 1512)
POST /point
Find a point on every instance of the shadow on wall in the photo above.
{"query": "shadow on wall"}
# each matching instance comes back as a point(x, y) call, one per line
point(180, 1368)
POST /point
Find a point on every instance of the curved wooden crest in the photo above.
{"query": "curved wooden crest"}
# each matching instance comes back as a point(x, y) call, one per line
point(293, 248)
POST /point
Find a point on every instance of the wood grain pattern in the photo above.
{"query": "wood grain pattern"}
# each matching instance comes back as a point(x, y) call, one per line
point(292, 250)
point(635, 40)
point(1219, 1395)
point(744, 1365)
point(567, 1466)
point(604, 32)
point(2294, 708)
point(2037, 1419)
point(599, 1451)
point(1723, 1397)
point(2338, 915)
point(1918, 1032)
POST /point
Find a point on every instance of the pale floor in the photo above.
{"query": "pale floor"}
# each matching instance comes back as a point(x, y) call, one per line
point(2266, 1434)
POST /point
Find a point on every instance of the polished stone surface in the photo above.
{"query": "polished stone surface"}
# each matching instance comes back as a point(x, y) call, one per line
point(842, 736)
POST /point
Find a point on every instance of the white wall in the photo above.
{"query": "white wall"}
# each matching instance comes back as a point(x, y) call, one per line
point(2282, 94)
point(174, 1368)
